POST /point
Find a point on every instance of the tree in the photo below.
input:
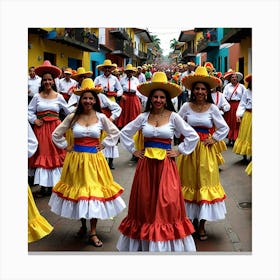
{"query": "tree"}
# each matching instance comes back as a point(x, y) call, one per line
point(173, 44)
point(156, 41)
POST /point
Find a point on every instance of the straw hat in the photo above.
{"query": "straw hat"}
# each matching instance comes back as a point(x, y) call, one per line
point(248, 78)
point(200, 75)
point(129, 67)
point(47, 67)
point(88, 85)
point(106, 63)
point(81, 71)
point(159, 81)
point(68, 70)
point(228, 74)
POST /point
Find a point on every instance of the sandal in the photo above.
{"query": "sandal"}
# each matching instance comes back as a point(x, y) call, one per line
point(96, 243)
point(82, 231)
point(202, 236)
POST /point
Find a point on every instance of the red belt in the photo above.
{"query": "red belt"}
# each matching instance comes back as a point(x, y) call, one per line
point(111, 93)
point(48, 115)
point(86, 141)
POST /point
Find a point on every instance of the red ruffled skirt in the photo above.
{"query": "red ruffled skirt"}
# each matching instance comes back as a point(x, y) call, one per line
point(156, 207)
point(47, 156)
point(131, 108)
point(230, 118)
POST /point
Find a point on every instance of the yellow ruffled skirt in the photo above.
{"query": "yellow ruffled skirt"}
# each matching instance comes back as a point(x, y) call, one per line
point(202, 190)
point(243, 143)
point(220, 147)
point(86, 188)
point(248, 169)
point(38, 226)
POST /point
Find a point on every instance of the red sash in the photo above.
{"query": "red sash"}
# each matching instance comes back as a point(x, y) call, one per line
point(234, 90)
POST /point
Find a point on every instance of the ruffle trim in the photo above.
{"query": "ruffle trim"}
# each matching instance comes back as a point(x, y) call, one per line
point(127, 244)
point(156, 231)
point(209, 195)
point(242, 147)
point(78, 193)
point(209, 212)
point(38, 228)
point(86, 209)
point(49, 162)
point(248, 169)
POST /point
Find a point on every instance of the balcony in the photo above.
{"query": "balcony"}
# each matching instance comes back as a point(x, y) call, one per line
point(120, 33)
point(205, 45)
point(123, 48)
point(235, 35)
point(142, 55)
point(189, 52)
point(77, 38)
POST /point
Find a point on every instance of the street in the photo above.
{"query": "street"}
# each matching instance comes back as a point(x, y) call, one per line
point(234, 234)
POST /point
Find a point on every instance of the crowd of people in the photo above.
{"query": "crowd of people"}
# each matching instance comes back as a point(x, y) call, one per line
point(175, 121)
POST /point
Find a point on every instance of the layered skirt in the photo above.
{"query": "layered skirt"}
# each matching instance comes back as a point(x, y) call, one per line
point(248, 169)
point(86, 188)
point(38, 226)
point(131, 108)
point(48, 159)
point(230, 118)
point(157, 220)
point(243, 143)
point(202, 191)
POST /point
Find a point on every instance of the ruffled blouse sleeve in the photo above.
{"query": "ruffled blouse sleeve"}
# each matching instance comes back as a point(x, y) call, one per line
point(113, 133)
point(128, 131)
point(221, 126)
point(58, 134)
point(191, 137)
point(32, 109)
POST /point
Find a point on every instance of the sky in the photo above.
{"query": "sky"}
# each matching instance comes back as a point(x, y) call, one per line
point(166, 35)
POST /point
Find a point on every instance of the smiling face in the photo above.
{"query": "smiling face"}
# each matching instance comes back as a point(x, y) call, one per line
point(88, 100)
point(158, 99)
point(200, 91)
point(47, 81)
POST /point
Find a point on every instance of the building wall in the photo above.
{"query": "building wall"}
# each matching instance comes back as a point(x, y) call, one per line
point(246, 53)
point(234, 54)
point(37, 46)
point(96, 58)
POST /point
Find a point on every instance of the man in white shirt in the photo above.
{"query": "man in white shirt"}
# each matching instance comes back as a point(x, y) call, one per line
point(34, 83)
point(141, 77)
point(67, 84)
point(112, 89)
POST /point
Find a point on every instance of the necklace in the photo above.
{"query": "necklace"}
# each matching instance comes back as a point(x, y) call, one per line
point(199, 108)
point(89, 119)
point(157, 117)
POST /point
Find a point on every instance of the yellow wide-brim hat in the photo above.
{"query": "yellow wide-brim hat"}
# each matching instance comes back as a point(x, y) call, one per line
point(106, 63)
point(159, 81)
point(129, 67)
point(200, 75)
point(81, 71)
point(88, 85)
point(47, 67)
